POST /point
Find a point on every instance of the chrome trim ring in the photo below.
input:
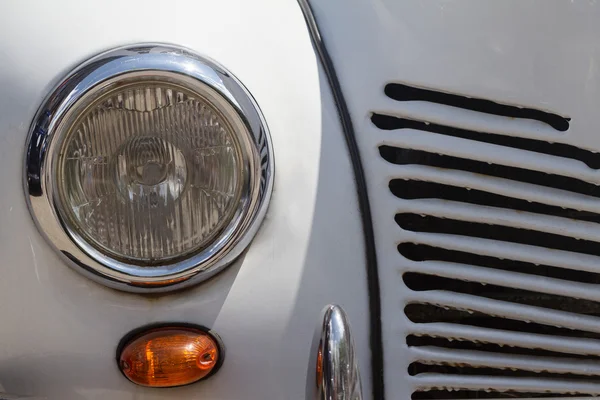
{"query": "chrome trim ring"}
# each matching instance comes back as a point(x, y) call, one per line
point(174, 64)
point(333, 367)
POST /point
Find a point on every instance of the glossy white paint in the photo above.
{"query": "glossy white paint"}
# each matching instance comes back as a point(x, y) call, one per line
point(540, 54)
point(537, 53)
point(59, 330)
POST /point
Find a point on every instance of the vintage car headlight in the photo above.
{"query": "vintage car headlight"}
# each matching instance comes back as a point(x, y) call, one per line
point(149, 165)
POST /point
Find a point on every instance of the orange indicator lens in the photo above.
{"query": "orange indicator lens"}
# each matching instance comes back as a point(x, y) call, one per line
point(169, 356)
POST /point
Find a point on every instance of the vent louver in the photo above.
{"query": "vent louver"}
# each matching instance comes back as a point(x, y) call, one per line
point(500, 246)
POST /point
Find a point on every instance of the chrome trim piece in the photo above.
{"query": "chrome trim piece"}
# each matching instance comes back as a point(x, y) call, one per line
point(337, 375)
point(173, 64)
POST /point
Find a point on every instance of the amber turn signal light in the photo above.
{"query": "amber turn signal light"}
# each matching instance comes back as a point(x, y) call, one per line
point(169, 356)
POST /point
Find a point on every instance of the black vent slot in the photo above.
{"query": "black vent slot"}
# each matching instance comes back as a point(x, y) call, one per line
point(402, 156)
point(428, 313)
point(417, 368)
point(486, 394)
point(417, 223)
point(420, 341)
point(420, 252)
point(402, 92)
point(423, 282)
point(408, 189)
point(590, 158)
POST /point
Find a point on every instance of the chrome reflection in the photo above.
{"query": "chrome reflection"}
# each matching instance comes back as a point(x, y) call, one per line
point(334, 362)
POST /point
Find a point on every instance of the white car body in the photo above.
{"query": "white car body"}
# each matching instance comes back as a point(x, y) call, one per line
point(59, 330)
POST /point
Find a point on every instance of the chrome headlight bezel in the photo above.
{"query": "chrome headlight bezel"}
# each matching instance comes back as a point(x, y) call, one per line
point(170, 63)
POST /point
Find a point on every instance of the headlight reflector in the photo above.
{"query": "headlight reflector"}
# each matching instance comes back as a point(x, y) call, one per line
point(149, 165)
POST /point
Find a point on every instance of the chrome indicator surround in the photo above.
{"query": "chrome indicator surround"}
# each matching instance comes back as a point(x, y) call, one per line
point(333, 367)
point(173, 64)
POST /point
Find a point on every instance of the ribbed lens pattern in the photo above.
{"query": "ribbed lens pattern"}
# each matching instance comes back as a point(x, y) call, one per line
point(150, 172)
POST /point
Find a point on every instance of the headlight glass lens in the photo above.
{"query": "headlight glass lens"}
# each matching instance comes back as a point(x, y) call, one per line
point(149, 171)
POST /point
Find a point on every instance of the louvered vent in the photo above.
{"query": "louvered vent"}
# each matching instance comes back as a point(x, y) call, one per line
point(500, 248)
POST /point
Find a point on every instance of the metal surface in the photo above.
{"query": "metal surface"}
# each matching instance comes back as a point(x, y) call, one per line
point(531, 54)
point(336, 369)
point(59, 329)
point(168, 64)
point(371, 264)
